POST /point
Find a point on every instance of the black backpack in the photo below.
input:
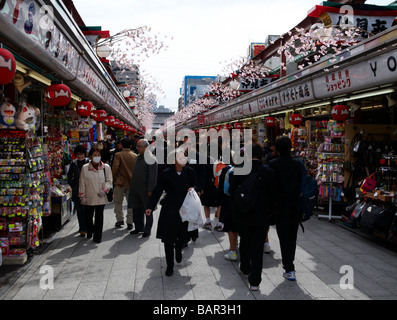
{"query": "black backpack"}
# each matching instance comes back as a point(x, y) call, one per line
point(245, 197)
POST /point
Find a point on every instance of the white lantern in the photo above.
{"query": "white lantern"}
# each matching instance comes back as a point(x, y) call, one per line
point(126, 93)
point(234, 84)
point(104, 51)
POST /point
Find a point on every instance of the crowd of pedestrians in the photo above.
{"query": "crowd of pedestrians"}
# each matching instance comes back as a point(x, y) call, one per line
point(146, 184)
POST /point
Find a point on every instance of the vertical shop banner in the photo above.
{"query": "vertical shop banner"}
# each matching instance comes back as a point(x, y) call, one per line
point(99, 131)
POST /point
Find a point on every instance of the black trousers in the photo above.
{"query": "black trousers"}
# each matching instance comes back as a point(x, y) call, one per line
point(169, 251)
point(94, 229)
point(252, 241)
point(139, 220)
point(287, 231)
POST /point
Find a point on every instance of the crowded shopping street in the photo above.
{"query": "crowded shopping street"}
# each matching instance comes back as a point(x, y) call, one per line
point(149, 155)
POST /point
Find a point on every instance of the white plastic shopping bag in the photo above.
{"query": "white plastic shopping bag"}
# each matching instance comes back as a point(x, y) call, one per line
point(192, 210)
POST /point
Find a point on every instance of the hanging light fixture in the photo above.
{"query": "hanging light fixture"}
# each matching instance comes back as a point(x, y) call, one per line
point(104, 51)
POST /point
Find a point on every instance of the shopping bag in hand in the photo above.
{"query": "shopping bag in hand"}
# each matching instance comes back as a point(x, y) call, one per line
point(191, 207)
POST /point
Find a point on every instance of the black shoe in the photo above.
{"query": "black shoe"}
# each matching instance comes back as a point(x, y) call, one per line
point(129, 226)
point(97, 240)
point(194, 239)
point(135, 231)
point(169, 271)
point(178, 256)
point(89, 235)
point(146, 234)
point(119, 224)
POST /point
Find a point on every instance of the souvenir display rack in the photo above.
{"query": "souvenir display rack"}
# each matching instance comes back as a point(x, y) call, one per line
point(24, 194)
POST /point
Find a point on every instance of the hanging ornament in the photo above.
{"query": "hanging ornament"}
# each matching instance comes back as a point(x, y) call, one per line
point(219, 128)
point(84, 108)
point(227, 126)
point(109, 121)
point(99, 115)
point(8, 66)
point(270, 122)
point(238, 125)
point(340, 113)
point(295, 119)
point(58, 95)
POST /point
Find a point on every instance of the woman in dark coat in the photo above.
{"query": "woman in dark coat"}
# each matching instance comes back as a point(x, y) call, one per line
point(176, 181)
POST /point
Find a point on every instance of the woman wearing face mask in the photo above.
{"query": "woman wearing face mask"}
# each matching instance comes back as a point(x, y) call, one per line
point(175, 181)
point(95, 182)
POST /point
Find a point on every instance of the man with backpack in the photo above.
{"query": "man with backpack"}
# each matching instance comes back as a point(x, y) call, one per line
point(253, 200)
point(288, 213)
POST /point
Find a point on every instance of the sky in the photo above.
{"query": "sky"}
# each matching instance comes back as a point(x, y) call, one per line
point(207, 34)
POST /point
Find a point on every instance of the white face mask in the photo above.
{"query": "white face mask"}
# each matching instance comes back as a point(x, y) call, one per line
point(96, 159)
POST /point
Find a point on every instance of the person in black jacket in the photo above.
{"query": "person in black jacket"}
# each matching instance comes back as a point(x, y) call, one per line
point(73, 178)
point(176, 181)
point(252, 228)
point(289, 179)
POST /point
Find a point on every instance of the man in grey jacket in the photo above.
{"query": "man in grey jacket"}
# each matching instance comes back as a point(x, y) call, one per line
point(143, 182)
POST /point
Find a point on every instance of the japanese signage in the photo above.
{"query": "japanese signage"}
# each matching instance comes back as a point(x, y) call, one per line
point(269, 102)
point(376, 71)
point(297, 94)
point(254, 84)
point(369, 18)
point(256, 48)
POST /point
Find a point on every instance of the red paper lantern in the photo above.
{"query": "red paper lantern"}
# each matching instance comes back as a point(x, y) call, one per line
point(116, 124)
point(270, 122)
point(228, 126)
point(58, 95)
point(238, 125)
point(340, 113)
point(84, 108)
point(99, 115)
point(295, 119)
point(8, 66)
point(109, 121)
point(219, 128)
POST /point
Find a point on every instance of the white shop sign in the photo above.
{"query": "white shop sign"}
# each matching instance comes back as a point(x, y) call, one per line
point(376, 71)
point(297, 94)
point(269, 102)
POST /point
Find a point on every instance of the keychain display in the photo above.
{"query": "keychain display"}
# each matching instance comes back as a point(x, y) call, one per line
point(24, 191)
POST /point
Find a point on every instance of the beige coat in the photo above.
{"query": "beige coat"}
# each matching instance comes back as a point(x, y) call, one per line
point(122, 168)
point(92, 181)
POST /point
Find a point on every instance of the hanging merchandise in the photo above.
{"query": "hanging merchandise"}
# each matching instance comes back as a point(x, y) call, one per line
point(340, 113)
point(27, 118)
point(238, 125)
point(99, 115)
point(84, 108)
point(58, 95)
point(7, 116)
point(8, 66)
point(24, 193)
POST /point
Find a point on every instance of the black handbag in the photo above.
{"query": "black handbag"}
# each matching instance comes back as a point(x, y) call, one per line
point(110, 193)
